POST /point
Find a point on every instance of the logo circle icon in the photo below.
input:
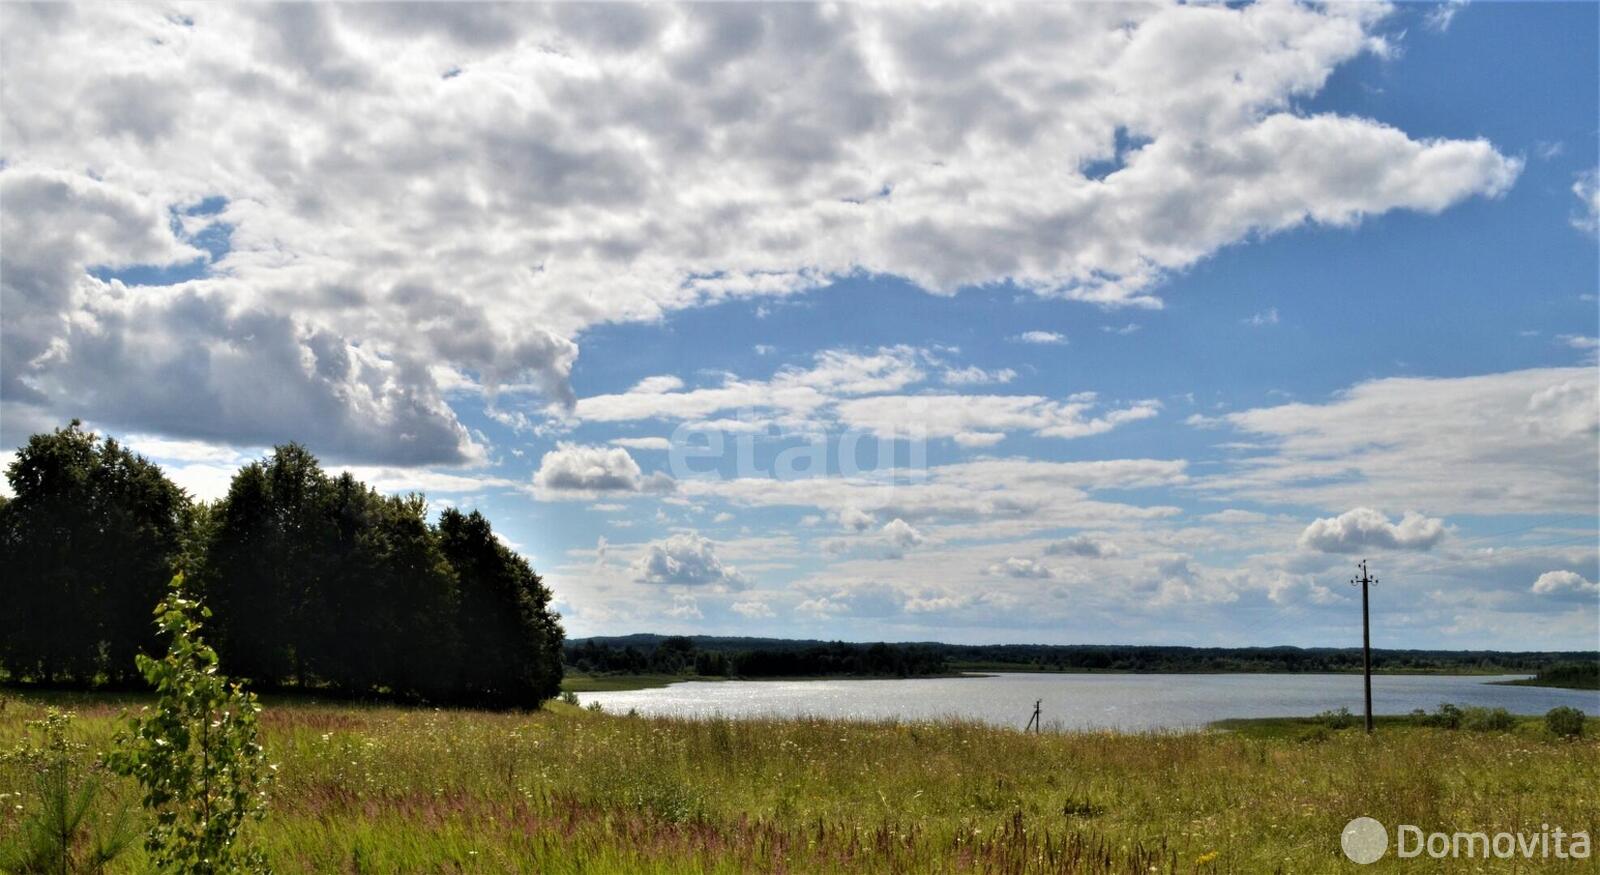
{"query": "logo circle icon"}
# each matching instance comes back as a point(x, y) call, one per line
point(1364, 840)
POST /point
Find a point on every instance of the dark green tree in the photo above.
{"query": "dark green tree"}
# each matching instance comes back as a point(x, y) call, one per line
point(265, 567)
point(87, 545)
point(420, 644)
point(511, 640)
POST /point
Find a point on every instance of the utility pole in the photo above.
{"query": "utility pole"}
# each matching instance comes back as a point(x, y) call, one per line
point(1366, 580)
point(1034, 723)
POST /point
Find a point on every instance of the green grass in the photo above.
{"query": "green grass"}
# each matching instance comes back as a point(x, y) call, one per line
point(1303, 728)
point(389, 789)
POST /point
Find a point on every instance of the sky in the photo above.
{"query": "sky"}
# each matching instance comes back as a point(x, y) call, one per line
point(1100, 323)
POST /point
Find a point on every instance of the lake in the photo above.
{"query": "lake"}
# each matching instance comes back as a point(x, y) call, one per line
point(1090, 701)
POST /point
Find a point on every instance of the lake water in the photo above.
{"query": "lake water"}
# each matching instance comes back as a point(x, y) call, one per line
point(1084, 701)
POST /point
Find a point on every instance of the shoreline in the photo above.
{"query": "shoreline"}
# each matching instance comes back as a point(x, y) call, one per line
point(587, 683)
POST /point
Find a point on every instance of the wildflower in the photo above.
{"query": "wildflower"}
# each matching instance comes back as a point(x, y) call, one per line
point(1205, 858)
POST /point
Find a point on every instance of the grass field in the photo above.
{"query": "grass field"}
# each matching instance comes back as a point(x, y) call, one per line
point(389, 789)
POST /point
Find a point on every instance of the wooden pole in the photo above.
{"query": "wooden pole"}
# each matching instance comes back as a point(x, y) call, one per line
point(1366, 580)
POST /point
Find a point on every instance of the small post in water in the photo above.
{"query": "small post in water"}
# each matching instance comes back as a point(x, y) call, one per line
point(1034, 722)
point(1366, 580)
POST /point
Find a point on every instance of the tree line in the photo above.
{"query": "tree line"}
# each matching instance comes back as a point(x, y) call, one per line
point(1173, 659)
point(315, 582)
point(767, 657)
point(682, 655)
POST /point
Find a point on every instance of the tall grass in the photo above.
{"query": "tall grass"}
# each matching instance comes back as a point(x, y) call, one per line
point(385, 789)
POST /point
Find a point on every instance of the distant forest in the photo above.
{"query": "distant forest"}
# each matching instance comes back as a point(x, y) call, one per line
point(315, 582)
point(778, 657)
point(676, 655)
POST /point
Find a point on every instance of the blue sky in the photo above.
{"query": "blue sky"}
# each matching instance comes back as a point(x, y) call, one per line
point(1176, 312)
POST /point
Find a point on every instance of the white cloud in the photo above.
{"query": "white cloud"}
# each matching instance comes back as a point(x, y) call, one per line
point(657, 385)
point(1029, 569)
point(1587, 188)
point(578, 471)
point(685, 607)
point(1366, 529)
point(187, 451)
point(751, 609)
point(949, 416)
point(400, 479)
point(856, 391)
point(1087, 546)
point(854, 519)
point(991, 497)
point(1041, 338)
point(1556, 582)
point(976, 376)
point(1442, 14)
point(793, 396)
point(1527, 437)
point(643, 443)
point(621, 166)
point(901, 535)
point(1264, 318)
point(685, 559)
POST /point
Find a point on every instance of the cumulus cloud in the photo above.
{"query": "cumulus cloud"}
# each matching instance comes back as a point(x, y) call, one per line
point(622, 166)
point(685, 559)
point(1366, 529)
point(579, 471)
point(901, 535)
point(1041, 338)
point(1087, 546)
point(855, 519)
point(1030, 569)
point(1562, 582)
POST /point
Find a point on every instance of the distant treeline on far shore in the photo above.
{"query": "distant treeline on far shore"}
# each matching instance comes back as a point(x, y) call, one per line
point(778, 657)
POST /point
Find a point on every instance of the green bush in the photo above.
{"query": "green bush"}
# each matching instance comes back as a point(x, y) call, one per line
point(1564, 722)
point(1313, 735)
point(1487, 720)
point(1340, 719)
point(1447, 716)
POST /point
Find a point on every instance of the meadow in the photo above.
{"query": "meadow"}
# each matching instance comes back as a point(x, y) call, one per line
point(392, 789)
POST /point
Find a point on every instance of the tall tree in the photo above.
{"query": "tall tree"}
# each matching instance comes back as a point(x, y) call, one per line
point(511, 639)
point(265, 564)
point(87, 545)
point(425, 647)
